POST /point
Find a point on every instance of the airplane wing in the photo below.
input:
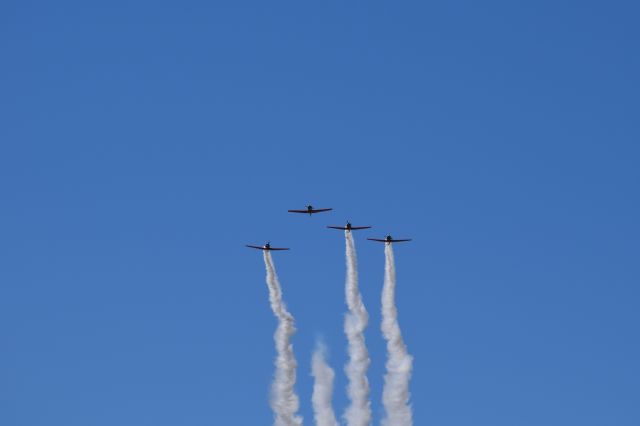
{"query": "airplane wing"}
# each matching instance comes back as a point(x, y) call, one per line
point(298, 211)
point(267, 249)
point(353, 228)
point(319, 210)
point(377, 239)
point(400, 241)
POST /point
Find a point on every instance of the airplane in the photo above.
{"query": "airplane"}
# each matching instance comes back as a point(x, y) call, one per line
point(267, 247)
point(348, 227)
point(310, 210)
point(389, 239)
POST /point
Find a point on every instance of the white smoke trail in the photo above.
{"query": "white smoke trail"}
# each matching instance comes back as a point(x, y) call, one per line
point(395, 395)
point(322, 388)
point(358, 413)
point(284, 401)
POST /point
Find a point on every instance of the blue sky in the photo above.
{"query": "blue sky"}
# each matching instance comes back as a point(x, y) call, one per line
point(144, 143)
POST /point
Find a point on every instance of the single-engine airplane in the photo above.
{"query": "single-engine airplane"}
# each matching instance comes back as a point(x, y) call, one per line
point(349, 227)
point(310, 210)
point(389, 239)
point(267, 247)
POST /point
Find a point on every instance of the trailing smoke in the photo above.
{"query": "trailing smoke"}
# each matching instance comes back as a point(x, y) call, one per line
point(284, 401)
point(395, 395)
point(358, 413)
point(322, 388)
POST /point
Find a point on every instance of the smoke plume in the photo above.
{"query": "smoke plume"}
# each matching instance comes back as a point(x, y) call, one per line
point(358, 413)
point(284, 401)
point(322, 388)
point(395, 395)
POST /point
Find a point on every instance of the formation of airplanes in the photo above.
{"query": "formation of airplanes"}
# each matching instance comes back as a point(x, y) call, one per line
point(310, 210)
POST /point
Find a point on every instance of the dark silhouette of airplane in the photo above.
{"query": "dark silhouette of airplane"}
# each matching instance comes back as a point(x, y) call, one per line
point(310, 210)
point(349, 227)
point(389, 239)
point(267, 247)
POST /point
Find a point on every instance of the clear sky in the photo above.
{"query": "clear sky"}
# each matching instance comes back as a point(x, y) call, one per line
point(143, 143)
